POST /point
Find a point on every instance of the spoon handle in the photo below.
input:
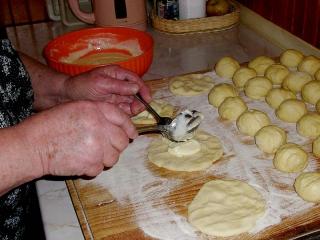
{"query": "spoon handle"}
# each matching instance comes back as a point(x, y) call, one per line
point(149, 108)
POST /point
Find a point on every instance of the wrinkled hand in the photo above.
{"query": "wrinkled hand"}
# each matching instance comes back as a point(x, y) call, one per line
point(111, 84)
point(78, 138)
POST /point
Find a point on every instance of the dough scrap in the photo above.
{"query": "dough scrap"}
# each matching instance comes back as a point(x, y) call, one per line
point(309, 125)
point(311, 92)
point(257, 88)
point(307, 185)
point(291, 58)
point(296, 80)
point(270, 138)
point(220, 92)
point(163, 108)
point(291, 110)
point(251, 121)
point(277, 95)
point(231, 108)
point(316, 147)
point(260, 64)
point(276, 73)
point(210, 151)
point(242, 75)
point(226, 67)
point(290, 158)
point(225, 208)
point(309, 64)
point(190, 85)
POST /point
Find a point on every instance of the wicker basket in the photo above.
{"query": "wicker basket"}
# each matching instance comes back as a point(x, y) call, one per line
point(207, 24)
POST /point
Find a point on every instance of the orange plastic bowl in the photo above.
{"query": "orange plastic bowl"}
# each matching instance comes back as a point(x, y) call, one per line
point(75, 42)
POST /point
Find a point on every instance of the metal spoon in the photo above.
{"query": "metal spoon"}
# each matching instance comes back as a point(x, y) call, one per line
point(179, 129)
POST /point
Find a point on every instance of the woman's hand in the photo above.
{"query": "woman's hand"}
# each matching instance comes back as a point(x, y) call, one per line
point(78, 138)
point(111, 84)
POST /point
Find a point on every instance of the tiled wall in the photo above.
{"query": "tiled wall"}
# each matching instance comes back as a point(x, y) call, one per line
point(300, 17)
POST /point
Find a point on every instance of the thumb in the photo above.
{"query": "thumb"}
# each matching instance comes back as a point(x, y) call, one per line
point(124, 88)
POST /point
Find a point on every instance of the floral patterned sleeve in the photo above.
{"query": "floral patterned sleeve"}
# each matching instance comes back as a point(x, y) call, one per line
point(16, 98)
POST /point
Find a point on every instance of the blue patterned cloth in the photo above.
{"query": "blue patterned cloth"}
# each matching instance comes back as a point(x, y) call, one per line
point(16, 98)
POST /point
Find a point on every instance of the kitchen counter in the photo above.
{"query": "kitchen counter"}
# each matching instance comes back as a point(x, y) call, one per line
point(173, 55)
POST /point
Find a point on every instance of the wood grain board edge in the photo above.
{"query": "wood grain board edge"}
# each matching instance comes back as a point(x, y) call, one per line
point(85, 228)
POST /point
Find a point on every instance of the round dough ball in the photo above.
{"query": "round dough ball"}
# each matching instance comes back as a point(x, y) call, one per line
point(318, 106)
point(311, 92)
point(226, 207)
point(257, 88)
point(220, 92)
point(276, 73)
point(309, 125)
point(309, 64)
point(190, 84)
point(270, 138)
point(291, 58)
point(296, 80)
point(317, 75)
point(260, 64)
point(290, 158)
point(242, 75)
point(251, 121)
point(189, 156)
point(231, 108)
point(291, 110)
point(226, 67)
point(316, 147)
point(277, 95)
point(307, 185)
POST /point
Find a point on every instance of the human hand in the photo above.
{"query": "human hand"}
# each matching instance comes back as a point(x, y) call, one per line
point(111, 84)
point(78, 138)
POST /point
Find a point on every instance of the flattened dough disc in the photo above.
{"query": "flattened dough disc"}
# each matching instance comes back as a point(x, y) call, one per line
point(225, 208)
point(210, 151)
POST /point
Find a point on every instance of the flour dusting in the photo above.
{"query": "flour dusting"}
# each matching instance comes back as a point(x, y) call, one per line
point(131, 181)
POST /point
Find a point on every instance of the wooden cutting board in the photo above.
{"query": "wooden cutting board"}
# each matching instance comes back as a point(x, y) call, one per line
point(105, 214)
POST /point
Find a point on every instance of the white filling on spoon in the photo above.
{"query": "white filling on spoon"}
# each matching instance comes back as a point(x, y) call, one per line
point(183, 127)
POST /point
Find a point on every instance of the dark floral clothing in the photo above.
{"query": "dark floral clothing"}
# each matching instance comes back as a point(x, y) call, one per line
point(16, 98)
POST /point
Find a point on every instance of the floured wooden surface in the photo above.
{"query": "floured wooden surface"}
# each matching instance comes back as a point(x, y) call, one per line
point(137, 200)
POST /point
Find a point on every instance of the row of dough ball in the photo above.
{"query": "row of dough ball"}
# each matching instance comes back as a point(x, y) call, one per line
point(289, 157)
point(268, 138)
point(227, 67)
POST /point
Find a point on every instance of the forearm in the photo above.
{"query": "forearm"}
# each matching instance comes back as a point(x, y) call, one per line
point(48, 85)
point(17, 165)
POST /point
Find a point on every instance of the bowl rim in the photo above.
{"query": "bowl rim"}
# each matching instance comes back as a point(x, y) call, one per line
point(48, 46)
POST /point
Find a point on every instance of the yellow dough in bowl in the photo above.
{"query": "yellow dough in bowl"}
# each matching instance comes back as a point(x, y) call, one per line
point(260, 64)
point(307, 185)
point(291, 58)
point(226, 67)
point(194, 155)
point(191, 84)
point(225, 208)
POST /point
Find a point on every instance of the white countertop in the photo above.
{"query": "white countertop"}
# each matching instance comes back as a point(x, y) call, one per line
point(173, 55)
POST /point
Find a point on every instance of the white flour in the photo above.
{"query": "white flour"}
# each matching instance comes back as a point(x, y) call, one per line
point(131, 181)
